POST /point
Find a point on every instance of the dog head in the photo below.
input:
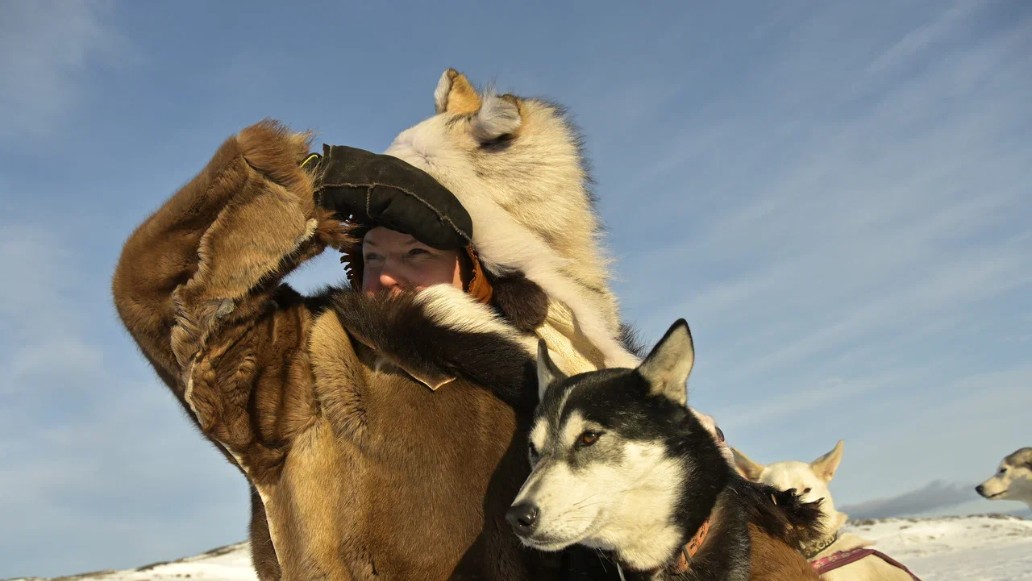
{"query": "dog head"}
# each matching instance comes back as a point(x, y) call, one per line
point(1013, 479)
point(809, 480)
point(515, 164)
point(615, 455)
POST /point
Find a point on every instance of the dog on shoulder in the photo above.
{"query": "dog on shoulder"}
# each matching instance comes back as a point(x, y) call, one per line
point(1013, 479)
point(837, 556)
point(621, 465)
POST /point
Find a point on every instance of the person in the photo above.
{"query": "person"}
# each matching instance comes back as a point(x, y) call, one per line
point(381, 425)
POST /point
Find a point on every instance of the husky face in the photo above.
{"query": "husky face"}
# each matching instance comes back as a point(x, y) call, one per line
point(1013, 479)
point(810, 480)
point(607, 450)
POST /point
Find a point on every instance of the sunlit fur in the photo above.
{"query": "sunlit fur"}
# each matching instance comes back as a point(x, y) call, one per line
point(810, 480)
point(620, 464)
point(1013, 479)
point(578, 504)
point(516, 166)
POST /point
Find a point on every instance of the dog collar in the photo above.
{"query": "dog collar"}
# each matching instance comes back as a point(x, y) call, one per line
point(813, 550)
point(690, 549)
point(684, 555)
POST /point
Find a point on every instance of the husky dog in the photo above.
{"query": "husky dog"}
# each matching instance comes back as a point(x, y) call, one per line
point(1013, 480)
point(832, 555)
point(620, 464)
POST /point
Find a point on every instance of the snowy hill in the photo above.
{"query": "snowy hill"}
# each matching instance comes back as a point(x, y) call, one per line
point(971, 548)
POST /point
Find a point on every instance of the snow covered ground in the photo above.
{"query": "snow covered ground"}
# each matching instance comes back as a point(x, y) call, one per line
point(970, 548)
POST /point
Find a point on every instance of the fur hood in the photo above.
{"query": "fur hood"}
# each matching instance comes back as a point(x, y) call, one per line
point(515, 164)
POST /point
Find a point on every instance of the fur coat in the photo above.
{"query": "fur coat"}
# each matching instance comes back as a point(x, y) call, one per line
point(357, 469)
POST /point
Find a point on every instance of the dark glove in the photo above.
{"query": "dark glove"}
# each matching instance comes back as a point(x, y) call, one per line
point(381, 190)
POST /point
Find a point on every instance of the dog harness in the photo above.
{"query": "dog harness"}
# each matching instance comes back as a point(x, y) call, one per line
point(684, 556)
point(843, 558)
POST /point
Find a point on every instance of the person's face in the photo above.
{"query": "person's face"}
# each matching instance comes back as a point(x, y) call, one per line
point(397, 262)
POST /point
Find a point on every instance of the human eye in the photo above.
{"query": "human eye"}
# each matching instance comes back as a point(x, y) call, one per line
point(371, 257)
point(418, 253)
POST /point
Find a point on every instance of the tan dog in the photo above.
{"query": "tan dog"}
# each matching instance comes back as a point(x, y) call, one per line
point(811, 480)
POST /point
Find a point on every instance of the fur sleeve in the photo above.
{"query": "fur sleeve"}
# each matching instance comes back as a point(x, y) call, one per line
point(219, 246)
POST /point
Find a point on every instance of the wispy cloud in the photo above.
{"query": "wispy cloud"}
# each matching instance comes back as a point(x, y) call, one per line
point(925, 37)
point(47, 49)
point(844, 233)
point(866, 227)
point(834, 195)
point(97, 458)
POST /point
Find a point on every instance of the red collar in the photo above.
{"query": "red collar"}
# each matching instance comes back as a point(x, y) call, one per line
point(685, 553)
point(690, 549)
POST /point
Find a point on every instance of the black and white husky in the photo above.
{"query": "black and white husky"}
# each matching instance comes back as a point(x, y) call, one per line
point(620, 464)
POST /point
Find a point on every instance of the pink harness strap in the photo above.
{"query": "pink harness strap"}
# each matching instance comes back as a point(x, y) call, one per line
point(843, 558)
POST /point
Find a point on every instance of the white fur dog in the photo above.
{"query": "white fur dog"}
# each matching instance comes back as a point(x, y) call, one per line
point(811, 480)
point(1013, 479)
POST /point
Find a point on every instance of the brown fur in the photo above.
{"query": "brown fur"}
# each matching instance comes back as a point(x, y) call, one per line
point(773, 560)
point(773, 521)
point(778, 522)
point(781, 513)
point(357, 470)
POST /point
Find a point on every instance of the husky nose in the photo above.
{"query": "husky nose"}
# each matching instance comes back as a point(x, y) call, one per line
point(523, 518)
point(980, 490)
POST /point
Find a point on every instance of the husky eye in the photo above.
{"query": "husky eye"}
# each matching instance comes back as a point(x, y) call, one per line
point(588, 438)
point(807, 490)
point(1002, 470)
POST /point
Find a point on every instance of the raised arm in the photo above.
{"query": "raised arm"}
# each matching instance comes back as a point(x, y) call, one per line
point(217, 250)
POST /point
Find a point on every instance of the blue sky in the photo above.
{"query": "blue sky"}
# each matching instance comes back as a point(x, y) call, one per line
point(835, 195)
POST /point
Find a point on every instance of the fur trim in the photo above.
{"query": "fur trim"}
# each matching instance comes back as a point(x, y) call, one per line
point(442, 333)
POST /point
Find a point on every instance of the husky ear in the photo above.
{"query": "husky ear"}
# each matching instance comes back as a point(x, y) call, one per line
point(667, 367)
point(455, 94)
point(497, 119)
point(746, 466)
point(825, 466)
point(547, 372)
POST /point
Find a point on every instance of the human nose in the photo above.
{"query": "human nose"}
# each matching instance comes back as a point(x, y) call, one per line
point(391, 279)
